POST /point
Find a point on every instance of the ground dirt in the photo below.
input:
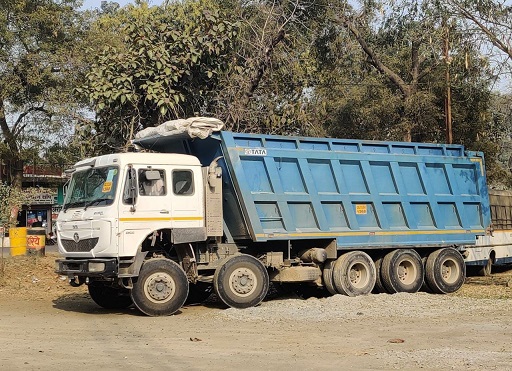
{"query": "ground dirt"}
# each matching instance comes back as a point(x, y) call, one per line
point(47, 325)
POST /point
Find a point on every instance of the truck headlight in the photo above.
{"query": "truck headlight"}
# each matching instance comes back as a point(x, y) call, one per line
point(96, 267)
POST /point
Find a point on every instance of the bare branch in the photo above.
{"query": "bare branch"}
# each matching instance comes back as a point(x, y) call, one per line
point(375, 60)
point(18, 126)
point(491, 35)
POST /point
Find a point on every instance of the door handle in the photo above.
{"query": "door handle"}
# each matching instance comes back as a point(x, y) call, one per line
point(164, 211)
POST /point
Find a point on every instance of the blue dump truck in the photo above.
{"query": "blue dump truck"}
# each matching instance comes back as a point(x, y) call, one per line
point(234, 212)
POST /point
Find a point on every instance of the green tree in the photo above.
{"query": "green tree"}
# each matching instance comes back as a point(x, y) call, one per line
point(37, 61)
point(383, 76)
point(247, 63)
point(269, 84)
point(401, 42)
point(166, 67)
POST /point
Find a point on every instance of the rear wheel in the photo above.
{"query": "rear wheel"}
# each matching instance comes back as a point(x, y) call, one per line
point(379, 286)
point(354, 274)
point(161, 288)
point(241, 282)
point(486, 269)
point(402, 271)
point(108, 296)
point(425, 287)
point(327, 277)
point(445, 271)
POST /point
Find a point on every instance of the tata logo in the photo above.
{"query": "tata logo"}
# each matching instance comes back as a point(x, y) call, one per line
point(255, 152)
point(76, 237)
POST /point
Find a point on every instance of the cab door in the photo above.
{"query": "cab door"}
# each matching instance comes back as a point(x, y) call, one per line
point(145, 206)
point(186, 197)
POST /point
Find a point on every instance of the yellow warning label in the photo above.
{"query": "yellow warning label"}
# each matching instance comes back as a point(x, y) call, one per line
point(361, 209)
point(107, 186)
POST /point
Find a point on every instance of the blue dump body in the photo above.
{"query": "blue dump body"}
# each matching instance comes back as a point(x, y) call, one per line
point(361, 193)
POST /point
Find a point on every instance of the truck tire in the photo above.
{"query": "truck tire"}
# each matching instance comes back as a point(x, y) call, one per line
point(241, 282)
point(379, 286)
point(354, 274)
point(327, 277)
point(161, 288)
point(445, 271)
point(108, 296)
point(486, 269)
point(402, 271)
point(425, 287)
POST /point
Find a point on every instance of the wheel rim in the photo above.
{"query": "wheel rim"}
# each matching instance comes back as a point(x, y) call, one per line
point(243, 282)
point(358, 275)
point(450, 271)
point(159, 287)
point(407, 272)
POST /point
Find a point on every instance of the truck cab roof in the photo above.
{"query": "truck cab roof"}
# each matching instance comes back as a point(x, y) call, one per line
point(154, 159)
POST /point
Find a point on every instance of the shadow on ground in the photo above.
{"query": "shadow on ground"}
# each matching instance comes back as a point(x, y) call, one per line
point(82, 303)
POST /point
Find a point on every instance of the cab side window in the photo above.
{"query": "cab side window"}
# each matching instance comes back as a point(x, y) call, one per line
point(182, 182)
point(151, 182)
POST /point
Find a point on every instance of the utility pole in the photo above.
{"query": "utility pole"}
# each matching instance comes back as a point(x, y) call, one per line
point(448, 97)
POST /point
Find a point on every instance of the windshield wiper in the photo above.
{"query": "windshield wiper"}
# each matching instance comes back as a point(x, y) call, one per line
point(70, 204)
point(95, 202)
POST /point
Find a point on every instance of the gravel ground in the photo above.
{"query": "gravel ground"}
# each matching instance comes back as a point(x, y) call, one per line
point(43, 321)
point(377, 306)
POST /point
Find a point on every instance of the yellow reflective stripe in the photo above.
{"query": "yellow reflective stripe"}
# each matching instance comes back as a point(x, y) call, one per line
point(187, 218)
point(168, 219)
point(144, 219)
point(368, 233)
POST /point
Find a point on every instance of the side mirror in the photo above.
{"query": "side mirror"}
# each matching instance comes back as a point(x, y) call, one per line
point(152, 175)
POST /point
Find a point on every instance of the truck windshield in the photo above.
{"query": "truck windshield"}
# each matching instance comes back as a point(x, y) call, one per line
point(92, 187)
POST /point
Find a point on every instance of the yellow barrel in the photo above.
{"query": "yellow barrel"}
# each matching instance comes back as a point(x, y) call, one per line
point(18, 241)
point(36, 241)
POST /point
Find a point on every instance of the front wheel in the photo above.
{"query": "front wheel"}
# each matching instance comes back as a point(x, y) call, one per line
point(241, 282)
point(445, 271)
point(108, 296)
point(161, 288)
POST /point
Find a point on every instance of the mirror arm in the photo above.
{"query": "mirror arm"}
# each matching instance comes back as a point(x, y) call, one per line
point(133, 190)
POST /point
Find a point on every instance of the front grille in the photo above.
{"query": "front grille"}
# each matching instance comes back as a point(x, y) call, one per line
point(81, 246)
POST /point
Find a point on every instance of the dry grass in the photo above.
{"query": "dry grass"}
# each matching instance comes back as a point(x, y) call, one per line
point(496, 286)
point(32, 277)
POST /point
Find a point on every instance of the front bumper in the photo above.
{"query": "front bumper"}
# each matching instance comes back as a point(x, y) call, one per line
point(83, 267)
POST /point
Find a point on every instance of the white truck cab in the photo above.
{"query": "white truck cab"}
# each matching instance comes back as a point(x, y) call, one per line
point(113, 202)
point(115, 212)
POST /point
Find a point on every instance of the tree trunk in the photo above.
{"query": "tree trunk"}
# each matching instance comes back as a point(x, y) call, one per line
point(17, 173)
point(13, 158)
